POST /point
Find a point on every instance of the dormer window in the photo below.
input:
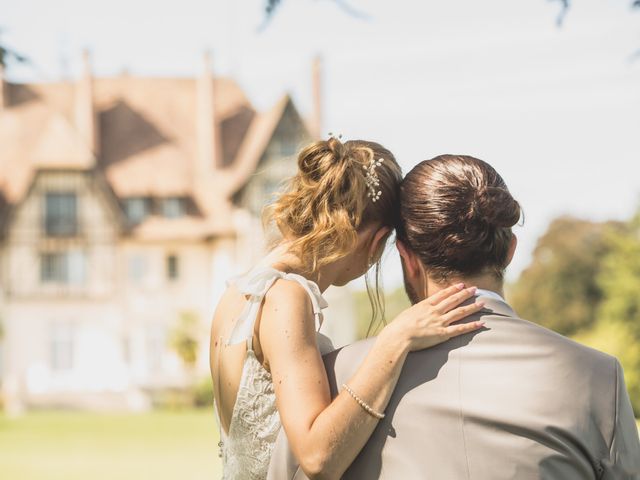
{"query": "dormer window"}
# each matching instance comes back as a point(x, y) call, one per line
point(61, 216)
point(288, 148)
point(282, 147)
point(136, 209)
point(173, 207)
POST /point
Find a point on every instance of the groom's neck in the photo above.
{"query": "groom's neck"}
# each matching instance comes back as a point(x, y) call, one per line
point(485, 282)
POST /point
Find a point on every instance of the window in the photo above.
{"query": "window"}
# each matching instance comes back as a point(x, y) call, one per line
point(172, 267)
point(156, 346)
point(63, 267)
point(53, 267)
point(61, 214)
point(126, 349)
point(172, 207)
point(287, 148)
point(61, 346)
point(136, 209)
point(137, 267)
point(284, 145)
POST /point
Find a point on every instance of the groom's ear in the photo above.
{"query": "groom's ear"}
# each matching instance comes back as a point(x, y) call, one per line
point(410, 260)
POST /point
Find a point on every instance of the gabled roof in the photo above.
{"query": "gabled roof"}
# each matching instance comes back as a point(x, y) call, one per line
point(60, 146)
point(20, 130)
point(147, 142)
point(147, 132)
point(255, 142)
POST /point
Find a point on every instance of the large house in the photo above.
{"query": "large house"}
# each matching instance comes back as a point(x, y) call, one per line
point(125, 203)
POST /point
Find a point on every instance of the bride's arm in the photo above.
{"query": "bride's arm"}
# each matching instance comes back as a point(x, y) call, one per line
point(326, 435)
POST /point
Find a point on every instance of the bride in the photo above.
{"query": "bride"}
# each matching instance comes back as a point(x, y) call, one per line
point(266, 351)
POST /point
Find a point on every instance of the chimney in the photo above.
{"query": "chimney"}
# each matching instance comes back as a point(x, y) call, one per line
point(209, 151)
point(316, 92)
point(86, 121)
point(4, 100)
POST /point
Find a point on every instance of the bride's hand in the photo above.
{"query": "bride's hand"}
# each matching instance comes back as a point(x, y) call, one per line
point(429, 322)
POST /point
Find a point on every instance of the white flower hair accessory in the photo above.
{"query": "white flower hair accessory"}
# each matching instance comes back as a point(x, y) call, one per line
point(372, 180)
point(337, 136)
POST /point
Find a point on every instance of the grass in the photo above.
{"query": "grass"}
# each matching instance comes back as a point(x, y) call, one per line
point(80, 446)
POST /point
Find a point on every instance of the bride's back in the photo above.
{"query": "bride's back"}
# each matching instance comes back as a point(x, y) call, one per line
point(230, 366)
point(245, 395)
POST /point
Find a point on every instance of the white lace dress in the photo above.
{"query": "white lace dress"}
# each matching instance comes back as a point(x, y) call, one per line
point(255, 422)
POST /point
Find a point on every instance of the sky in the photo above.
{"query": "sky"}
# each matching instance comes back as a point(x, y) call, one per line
point(555, 110)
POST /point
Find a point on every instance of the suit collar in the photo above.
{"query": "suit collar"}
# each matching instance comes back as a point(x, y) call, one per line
point(489, 293)
point(496, 306)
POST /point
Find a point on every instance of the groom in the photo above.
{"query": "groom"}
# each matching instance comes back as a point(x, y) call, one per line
point(513, 401)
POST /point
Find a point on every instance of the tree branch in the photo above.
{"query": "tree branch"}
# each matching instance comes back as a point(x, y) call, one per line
point(565, 4)
point(272, 5)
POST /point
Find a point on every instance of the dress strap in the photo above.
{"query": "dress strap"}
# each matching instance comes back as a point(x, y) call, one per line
point(317, 300)
point(255, 285)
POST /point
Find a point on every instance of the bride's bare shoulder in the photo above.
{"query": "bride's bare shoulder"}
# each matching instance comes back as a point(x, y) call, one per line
point(229, 306)
point(287, 320)
point(287, 296)
point(230, 296)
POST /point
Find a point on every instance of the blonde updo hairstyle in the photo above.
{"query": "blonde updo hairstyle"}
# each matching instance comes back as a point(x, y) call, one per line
point(328, 201)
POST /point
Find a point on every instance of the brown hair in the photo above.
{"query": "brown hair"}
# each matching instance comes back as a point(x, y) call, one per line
point(327, 201)
point(456, 214)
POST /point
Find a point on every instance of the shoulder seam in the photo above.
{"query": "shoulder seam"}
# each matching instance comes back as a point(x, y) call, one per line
point(615, 404)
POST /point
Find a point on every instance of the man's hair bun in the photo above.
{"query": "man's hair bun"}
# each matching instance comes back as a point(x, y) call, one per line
point(495, 207)
point(456, 213)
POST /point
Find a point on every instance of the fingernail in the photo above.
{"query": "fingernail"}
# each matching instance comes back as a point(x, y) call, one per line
point(481, 324)
point(460, 286)
point(480, 304)
point(473, 289)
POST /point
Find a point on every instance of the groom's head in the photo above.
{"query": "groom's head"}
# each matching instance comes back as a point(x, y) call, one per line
point(456, 215)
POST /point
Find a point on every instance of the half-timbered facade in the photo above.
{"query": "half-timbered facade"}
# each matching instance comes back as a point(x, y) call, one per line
point(125, 203)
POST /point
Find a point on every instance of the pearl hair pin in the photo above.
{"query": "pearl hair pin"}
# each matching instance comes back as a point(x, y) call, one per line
point(372, 180)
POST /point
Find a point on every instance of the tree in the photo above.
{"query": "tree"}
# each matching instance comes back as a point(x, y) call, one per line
point(566, 4)
point(394, 302)
point(559, 290)
point(619, 278)
point(617, 330)
point(184, 338)
point(617, 338)
point(6, 53)
point(272, 5)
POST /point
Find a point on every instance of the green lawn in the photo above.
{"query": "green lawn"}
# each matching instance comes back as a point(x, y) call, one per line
point(83, 446)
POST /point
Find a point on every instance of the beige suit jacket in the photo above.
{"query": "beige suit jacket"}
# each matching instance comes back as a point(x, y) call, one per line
point(512, 401)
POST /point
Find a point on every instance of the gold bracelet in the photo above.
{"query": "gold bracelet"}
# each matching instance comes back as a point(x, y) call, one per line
point(363, 404)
